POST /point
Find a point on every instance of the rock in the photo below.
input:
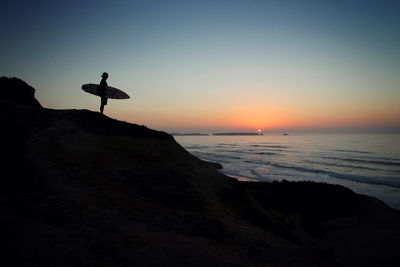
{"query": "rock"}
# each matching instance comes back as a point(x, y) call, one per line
point(18, 91)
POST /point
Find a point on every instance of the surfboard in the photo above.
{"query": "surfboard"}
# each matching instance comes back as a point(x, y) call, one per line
point(110, 92)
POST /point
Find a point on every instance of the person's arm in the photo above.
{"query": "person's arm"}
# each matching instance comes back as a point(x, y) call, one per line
point(103, 86)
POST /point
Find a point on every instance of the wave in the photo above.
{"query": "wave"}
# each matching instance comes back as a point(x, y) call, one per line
point(255, 152)
point(229, 151)
point(264, 153)
point(205, 153)
point(381, 158)
point(251, 152)
point(223, 145)
point(197, 147)
point(231, 157)
point(219, 156)
point(376, 162)
point(269, 146)
point(273, 150)
point(352, 151)
point(344, 165)
point(354, 178)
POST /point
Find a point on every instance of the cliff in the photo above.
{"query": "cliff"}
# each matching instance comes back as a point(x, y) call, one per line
point(79, 188)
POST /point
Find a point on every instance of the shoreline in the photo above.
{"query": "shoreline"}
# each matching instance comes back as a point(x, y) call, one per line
point(275, 158)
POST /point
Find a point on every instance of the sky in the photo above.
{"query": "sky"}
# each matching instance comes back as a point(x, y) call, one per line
point(213, 65)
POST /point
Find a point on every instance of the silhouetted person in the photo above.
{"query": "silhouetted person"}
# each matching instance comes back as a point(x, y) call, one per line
point(103, 89)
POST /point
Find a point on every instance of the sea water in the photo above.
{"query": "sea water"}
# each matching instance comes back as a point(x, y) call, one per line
point(366, 163)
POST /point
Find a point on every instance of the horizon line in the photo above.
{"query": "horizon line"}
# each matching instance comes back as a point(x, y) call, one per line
point(176, 130)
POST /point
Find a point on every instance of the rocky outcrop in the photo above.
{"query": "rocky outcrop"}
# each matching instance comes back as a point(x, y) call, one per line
point(17, 91)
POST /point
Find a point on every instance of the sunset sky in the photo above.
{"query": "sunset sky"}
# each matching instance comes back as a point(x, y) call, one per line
point(213, 65)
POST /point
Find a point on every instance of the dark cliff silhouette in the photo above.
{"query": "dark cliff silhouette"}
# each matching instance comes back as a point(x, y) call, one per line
point(81, 189)
point(18, 91)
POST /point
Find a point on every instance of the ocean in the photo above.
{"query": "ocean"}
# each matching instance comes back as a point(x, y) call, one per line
point(366, 163)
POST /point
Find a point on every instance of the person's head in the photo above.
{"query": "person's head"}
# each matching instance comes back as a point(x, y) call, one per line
point(104, 75)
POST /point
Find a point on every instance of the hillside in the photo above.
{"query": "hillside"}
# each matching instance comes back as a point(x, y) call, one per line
point(79, 188)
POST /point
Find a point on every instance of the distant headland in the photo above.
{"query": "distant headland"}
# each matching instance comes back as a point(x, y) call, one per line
point(238, 133)
point(216, 134)
point(189, 134)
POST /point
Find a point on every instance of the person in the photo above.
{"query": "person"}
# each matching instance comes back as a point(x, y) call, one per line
point(103, 87)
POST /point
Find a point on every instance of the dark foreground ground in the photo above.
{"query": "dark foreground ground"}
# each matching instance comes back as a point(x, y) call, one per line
point(81, 189)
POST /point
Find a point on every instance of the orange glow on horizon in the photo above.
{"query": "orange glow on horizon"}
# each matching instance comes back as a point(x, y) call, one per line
point(254, 117)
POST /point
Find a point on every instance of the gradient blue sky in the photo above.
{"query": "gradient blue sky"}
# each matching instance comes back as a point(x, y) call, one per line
point(213, 65)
